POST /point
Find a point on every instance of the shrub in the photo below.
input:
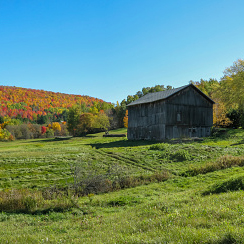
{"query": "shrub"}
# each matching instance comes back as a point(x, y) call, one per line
point(24, 131)
point(64, 131)
point(5, 135)
point(49, 133)
point(35, 130)
point(43, 129)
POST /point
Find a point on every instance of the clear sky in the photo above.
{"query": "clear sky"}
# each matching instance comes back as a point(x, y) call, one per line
point(112, 48)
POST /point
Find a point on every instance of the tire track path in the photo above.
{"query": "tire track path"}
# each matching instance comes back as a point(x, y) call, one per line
point(125, 160)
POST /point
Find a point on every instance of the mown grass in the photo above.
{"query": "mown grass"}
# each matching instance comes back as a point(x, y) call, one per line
point(201, 202)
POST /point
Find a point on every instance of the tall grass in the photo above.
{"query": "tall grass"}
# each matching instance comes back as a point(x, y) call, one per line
point(223, 162)
point(26, 201)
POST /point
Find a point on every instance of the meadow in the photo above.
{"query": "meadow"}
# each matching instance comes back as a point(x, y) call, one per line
point(186, 192)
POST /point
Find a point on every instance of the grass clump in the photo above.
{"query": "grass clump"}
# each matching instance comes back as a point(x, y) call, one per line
point(159, 146)
point(180, 155)
point(26, 201)
point(19, 200)
point(234, 184)
point(223, 162)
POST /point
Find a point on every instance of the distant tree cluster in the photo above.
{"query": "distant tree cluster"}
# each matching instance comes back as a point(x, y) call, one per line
point(41, 107)
point(80, 123)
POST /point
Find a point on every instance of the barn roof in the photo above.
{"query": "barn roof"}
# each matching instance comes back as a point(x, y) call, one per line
point(156, 96)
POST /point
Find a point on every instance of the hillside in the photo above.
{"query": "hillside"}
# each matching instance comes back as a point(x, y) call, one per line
point(30, 104)
point(199, 199)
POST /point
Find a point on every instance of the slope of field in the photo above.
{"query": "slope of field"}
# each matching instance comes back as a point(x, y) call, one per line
point(29, 103)
point(202, 202)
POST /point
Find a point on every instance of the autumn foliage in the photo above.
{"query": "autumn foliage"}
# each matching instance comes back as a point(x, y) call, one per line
point(43, 129)
point(125, 120)
point(31, 104)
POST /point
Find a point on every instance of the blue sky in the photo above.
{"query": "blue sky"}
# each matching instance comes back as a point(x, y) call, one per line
point(112, 48)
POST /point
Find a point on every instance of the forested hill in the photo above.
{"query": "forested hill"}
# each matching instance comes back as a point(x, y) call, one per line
point(33, 105)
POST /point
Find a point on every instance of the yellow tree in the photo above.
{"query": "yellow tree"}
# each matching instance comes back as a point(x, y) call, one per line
point(125, 120)
point(56, 126)
point(231, 89)
point(220, 118)
point(211, 88)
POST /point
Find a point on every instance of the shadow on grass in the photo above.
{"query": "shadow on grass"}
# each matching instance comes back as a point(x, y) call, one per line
point(39, 211)
point(48, 140)
point(122, 143)
point(238, 143)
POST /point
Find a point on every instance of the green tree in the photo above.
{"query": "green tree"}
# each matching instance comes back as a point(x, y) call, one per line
point(101, 121)
point(73, 119)
point(231, 89)
point(85, 123)
point(42, 119)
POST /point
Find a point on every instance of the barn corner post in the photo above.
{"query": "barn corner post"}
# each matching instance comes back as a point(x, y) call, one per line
point(175, 113)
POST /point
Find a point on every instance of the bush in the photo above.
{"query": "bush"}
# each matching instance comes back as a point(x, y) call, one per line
point(5, 135)
point(64, 131)
point(24, 131)
point(35, 130)
point(49, 133)
point(43, 129)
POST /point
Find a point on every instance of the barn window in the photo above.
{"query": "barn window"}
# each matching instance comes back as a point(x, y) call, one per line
point(178, 117)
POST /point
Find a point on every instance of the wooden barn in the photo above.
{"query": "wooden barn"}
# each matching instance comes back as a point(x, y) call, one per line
point(176, 113)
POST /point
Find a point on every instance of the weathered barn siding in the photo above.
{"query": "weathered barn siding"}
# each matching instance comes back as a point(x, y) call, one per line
point(147, 121)
point(185, 114)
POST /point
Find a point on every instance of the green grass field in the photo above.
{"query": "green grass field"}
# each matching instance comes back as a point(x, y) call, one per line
point(201, 202)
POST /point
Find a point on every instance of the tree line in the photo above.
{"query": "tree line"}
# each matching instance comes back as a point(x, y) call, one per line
point(97, 115)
